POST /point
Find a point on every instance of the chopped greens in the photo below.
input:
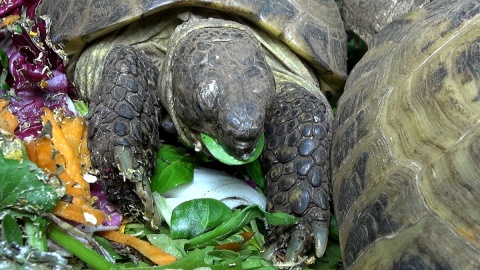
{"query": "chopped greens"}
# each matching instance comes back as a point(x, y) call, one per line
point(11, 230)
point(26, 193)
point(3, 72)
point(81, 107)
point(254, 170)
point(176, 247)
point(238, 220)
point(213, 184)
point(92, 258)
point(3, 59)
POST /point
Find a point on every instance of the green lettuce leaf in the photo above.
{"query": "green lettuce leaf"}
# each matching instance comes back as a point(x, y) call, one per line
point(174, 167)
point(25, 188)
point(217, 150)
point(237, 221)
point(194, 217)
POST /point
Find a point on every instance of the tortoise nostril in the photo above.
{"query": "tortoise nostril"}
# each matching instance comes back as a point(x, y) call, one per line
point(244, 117)
point(234, 121)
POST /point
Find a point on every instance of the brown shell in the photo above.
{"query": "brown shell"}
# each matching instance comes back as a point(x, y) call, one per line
point(366, 18)
point(406, 152)
point(313, 29)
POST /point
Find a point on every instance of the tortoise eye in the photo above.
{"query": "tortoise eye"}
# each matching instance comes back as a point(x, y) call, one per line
point(207, 95)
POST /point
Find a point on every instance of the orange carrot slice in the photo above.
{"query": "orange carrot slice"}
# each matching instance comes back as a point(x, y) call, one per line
point(237, 246)
point(153, 253)
point(8, 121)
point(72, 163)
point(64, 153)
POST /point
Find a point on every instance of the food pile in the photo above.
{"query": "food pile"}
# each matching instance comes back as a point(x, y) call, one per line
point(52, 208)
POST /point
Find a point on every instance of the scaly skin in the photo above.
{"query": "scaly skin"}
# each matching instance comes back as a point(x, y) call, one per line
point(296, 160)
point(123, 124)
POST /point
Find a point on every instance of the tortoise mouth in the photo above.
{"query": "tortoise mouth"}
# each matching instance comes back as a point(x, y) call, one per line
point(244, 149)
point(240, 148)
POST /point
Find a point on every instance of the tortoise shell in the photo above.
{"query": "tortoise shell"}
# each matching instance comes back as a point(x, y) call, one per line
point(313, 29)
point(406, 152)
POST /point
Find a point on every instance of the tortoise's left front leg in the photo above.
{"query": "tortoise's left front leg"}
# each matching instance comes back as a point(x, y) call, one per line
point(123, 131)
point(296, 159)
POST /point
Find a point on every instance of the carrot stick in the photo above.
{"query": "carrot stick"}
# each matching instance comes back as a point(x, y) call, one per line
point(3, 103)
point(71, 187)
point(8, 20)
point(69, 211)
point(153, 253)
point(74, 128)
point(62, 153)
point(31, 149)
point(72, 165)
point(68, 157)
point(45, 152)
point(81, 214)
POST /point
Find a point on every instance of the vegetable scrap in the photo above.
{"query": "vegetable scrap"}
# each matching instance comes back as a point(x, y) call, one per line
point(9, 20)
point(66, 155)
point(25, 190)
point(33, 72)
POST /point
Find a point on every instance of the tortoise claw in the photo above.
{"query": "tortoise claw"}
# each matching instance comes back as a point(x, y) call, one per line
point(269, 252)
point(298, 241)
point(320, 237)
point(296, 245)
point(124, 160)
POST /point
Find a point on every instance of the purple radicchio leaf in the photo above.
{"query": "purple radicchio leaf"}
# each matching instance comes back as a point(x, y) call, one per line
point(14, 7)
point(114, 218)
point(36, 72)
point(10, 7)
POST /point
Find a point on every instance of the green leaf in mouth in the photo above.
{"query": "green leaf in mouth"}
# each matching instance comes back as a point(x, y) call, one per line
point(217, 150)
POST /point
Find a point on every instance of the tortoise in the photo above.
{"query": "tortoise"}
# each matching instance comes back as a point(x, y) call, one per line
point(406, 145)
point(229, 69)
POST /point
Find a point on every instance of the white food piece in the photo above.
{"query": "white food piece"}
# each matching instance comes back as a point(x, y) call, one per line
point(212, 184)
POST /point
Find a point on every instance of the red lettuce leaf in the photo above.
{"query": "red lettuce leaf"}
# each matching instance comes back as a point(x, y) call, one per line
point(36, 72)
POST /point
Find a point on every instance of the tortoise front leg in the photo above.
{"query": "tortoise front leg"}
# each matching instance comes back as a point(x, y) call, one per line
point(123, 130)
point(296, 160)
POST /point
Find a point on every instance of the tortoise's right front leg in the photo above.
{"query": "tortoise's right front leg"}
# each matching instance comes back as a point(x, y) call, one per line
point(123, 129)
point(298, 135)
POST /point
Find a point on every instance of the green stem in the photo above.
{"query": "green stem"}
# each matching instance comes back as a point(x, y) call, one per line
point(90, 257)
point(36, 237)
point(257, 236)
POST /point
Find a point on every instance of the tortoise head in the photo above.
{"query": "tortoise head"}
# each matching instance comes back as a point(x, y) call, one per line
point(223, 86)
